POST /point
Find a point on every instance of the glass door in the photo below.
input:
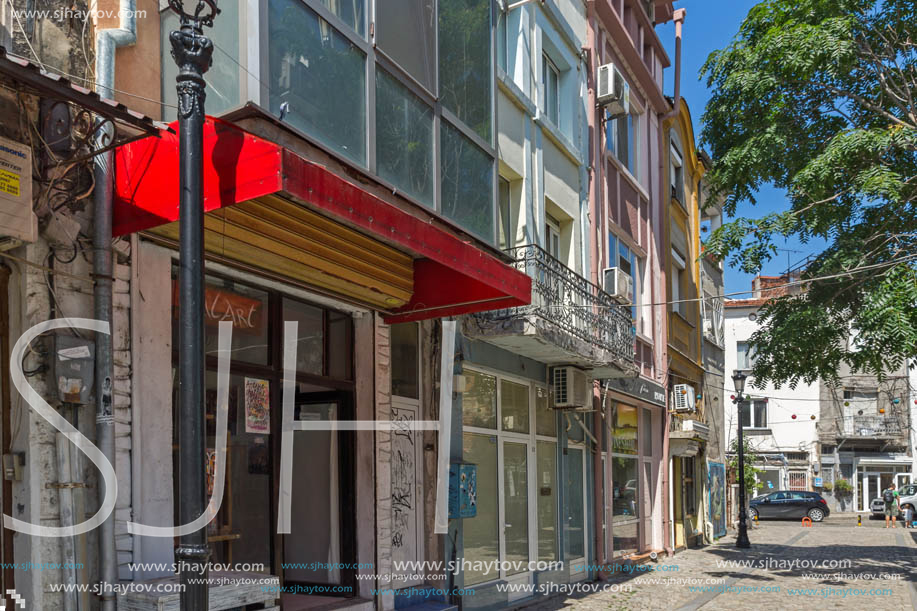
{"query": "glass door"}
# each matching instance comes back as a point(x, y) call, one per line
point(647, 514)
point(574, 508)
point(869, 489)
point(901, 480)
point(515, 507)
point(321, 505)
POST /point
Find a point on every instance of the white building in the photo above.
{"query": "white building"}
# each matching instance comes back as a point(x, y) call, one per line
point(780, 423)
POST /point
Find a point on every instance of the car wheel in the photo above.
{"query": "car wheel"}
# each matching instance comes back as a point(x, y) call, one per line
point(752, 513)
point(817, 515)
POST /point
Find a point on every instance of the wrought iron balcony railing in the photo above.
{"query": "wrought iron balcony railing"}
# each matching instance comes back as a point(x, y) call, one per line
point(571, 303)
point(869, 426)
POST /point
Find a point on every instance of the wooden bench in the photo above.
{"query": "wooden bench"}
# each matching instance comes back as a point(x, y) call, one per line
point(228, 590)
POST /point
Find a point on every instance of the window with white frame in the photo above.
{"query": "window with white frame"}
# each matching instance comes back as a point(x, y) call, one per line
point(863, 401)
point(754, 414)
point(508, 422)
point(676, 175)
point(552, 236)
point(626, 260)
point(679, 265)
point(550, 86)
point(745, 356)
point(623, 139)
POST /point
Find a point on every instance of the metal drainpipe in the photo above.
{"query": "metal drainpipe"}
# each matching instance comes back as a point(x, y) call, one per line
point(107, 41)
point(679, 17)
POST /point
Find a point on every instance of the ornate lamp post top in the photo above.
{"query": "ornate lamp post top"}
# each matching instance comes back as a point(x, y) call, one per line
point(196, 17)
point(738, 382)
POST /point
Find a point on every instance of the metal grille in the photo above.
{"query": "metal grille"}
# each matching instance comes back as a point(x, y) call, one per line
point(572, 303)
point(799, 480)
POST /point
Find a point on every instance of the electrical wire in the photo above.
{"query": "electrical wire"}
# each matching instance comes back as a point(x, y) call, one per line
point(856, 270)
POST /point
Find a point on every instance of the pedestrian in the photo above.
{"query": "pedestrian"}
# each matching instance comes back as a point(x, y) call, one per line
point(890, 497)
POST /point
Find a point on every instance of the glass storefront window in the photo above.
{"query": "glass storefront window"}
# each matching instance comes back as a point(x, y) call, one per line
point(546, 490)
point(481, 534)
point(404, 139)
point(545, 417)
point(514, 406)
point(340, 346)
point(624, 538)
point(310, 338)
point(624, 431)
point(239, 531)
point(516, 504)
point(625, 496)
point(405, 354)
point(321, 75)
point(647, 424)
point(244, 306)
point(575, 520)
point(479, 401)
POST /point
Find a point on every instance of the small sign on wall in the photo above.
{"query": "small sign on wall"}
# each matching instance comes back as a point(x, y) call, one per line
point(18, 222)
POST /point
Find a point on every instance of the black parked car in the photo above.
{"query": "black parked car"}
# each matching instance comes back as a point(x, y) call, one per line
point(789, 504)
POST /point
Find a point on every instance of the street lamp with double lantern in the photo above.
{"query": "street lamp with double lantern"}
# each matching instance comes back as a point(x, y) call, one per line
point(738, 382)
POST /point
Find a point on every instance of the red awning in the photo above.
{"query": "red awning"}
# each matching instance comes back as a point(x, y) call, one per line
point(452, 276)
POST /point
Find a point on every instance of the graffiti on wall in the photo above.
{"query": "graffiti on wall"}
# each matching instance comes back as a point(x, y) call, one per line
point(404, 487)
point(716, 486)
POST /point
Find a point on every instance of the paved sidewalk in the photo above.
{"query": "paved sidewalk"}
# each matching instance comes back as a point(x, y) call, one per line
point(856, 568)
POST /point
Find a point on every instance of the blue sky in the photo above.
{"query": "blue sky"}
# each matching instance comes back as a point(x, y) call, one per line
point(711, 25)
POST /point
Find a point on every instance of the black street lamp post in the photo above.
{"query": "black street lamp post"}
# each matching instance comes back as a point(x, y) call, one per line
point(738, 381)
point(193, 52)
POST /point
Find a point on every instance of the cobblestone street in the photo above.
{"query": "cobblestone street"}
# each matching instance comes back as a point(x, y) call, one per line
point(789, 567)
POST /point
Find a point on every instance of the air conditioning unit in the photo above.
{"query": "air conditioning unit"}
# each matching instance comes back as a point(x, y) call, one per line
point(570, 387)
point(20, 225)
point(613, 91)
point(684, 398)
point(619, 284)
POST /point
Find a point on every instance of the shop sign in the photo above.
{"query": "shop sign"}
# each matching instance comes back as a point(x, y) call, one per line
point(245, 313)
point(639, 388)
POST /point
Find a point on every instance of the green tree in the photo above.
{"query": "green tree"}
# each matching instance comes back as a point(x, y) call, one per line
point(750, 457)
point(818, 97)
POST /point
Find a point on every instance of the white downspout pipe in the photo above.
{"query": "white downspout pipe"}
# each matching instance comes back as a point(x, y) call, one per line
point(107, 41)
point(679, 17)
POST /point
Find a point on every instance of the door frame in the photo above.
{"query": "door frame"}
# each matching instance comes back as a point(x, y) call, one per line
point(577, 562)
point(346, 491)
point(866, 502)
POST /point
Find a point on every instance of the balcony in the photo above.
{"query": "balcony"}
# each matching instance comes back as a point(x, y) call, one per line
point(879, 427)
point(689, 428)
point(570, 320)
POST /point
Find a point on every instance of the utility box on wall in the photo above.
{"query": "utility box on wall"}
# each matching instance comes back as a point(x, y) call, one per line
point(463, 490)
point(73, 368)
